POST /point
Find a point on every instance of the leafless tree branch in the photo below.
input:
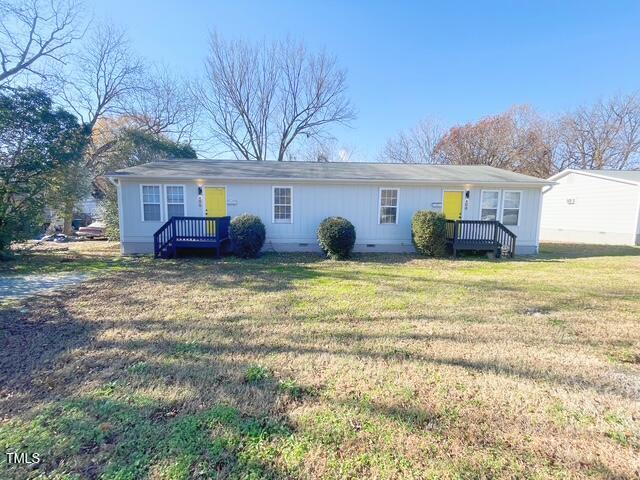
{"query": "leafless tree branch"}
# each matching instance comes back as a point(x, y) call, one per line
point(417, 145)
point(604, 135)
point(32, 31)
point(163, 104)
point(262, 99)
point(105, 74)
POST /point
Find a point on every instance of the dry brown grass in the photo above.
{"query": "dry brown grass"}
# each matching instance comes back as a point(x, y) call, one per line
point(293, 366)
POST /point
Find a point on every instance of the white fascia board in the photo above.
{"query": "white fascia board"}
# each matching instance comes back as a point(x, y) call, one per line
point(591, 173)
point(196, 179)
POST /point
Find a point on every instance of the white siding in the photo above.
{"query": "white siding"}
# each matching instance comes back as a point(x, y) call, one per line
point(528, 226)
point(314, 202)
point(587, 209)
point(638, 221)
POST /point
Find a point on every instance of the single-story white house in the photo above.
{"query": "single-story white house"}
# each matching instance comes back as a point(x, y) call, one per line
point(292, 198)
point(592, 206)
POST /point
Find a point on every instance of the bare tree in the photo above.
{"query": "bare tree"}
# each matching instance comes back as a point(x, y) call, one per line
point(103, 77)
point(105, 74)
point(97, 86)
point(263, 99)
point(604, 135)
point(34, 31)
point(417, 145)
point(324, 151)
point(162, 103)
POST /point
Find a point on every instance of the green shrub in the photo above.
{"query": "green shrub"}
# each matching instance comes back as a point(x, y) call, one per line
point(336, 237)
point(429, 233)
point(247, 234)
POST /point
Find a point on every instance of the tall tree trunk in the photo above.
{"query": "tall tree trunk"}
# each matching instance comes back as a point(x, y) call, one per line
point(67, 228)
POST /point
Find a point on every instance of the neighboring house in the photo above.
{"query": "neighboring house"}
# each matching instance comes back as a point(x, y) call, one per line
point(292, 198)
point(85, 212)
point(592, 206)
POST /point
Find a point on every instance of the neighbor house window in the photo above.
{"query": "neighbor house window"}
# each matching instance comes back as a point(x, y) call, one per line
point(489, 209)
point(175, 200)
point(511, 208)
point(282, 203)
point(388, 205)
point(151, 203)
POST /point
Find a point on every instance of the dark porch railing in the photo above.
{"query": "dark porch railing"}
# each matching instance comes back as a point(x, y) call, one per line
point(190, 232)
point(482, 235)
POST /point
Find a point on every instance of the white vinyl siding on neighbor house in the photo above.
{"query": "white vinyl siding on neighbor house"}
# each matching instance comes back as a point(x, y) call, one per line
point(151, 204)
point(174, 195)
point(583, 208)
point(388, 213)
point(282, 205)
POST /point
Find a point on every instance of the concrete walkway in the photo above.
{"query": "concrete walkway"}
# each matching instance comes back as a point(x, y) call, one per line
point(15, 287)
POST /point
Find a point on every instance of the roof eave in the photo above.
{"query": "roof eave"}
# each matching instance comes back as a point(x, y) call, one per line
point(540, 183)
point(591, 173)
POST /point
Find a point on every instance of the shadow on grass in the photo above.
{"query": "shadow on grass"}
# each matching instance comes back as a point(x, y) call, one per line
point(127, 399)
point(264, 276)
point(356, 347)
point(90, 411)
point(31, 344)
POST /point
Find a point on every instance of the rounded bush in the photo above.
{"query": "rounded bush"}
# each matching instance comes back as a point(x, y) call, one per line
point(336, 237)
point(247, 234)
point(429, 233)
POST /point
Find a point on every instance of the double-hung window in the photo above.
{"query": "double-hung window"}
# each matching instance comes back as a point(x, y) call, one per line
point(151, 203)
point(388, 206)
point(489, 209)
point(511, 208)
point(175, 200)
point(282, 205)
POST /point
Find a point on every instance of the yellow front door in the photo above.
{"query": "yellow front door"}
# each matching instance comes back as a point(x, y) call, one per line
point(215, 205)
point(452, 205)
point(215, 202)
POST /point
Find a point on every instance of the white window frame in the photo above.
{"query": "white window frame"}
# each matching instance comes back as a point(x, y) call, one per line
point(380, 205)
point(273, 204)
point(504, 192)
point(142, 185)
point(166, 199)
point(498, 204)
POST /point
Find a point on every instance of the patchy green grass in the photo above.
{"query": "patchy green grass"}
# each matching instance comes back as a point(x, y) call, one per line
point(291, 366)
point(81, 257)
point(256, 373)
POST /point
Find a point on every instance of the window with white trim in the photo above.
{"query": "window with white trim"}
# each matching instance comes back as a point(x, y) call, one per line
point(282, 204)
point(175, 200)
point(151, 203)
point(489, 205)
point(511, 208)
point(388, 205)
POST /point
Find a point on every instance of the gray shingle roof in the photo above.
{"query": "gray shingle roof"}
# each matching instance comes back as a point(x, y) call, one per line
point(338, 171)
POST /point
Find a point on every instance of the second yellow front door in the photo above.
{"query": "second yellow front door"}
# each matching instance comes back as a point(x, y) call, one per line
point(452, 205)
point(215, 202)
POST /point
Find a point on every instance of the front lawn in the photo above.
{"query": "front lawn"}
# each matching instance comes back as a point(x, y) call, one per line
point(291, 366)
